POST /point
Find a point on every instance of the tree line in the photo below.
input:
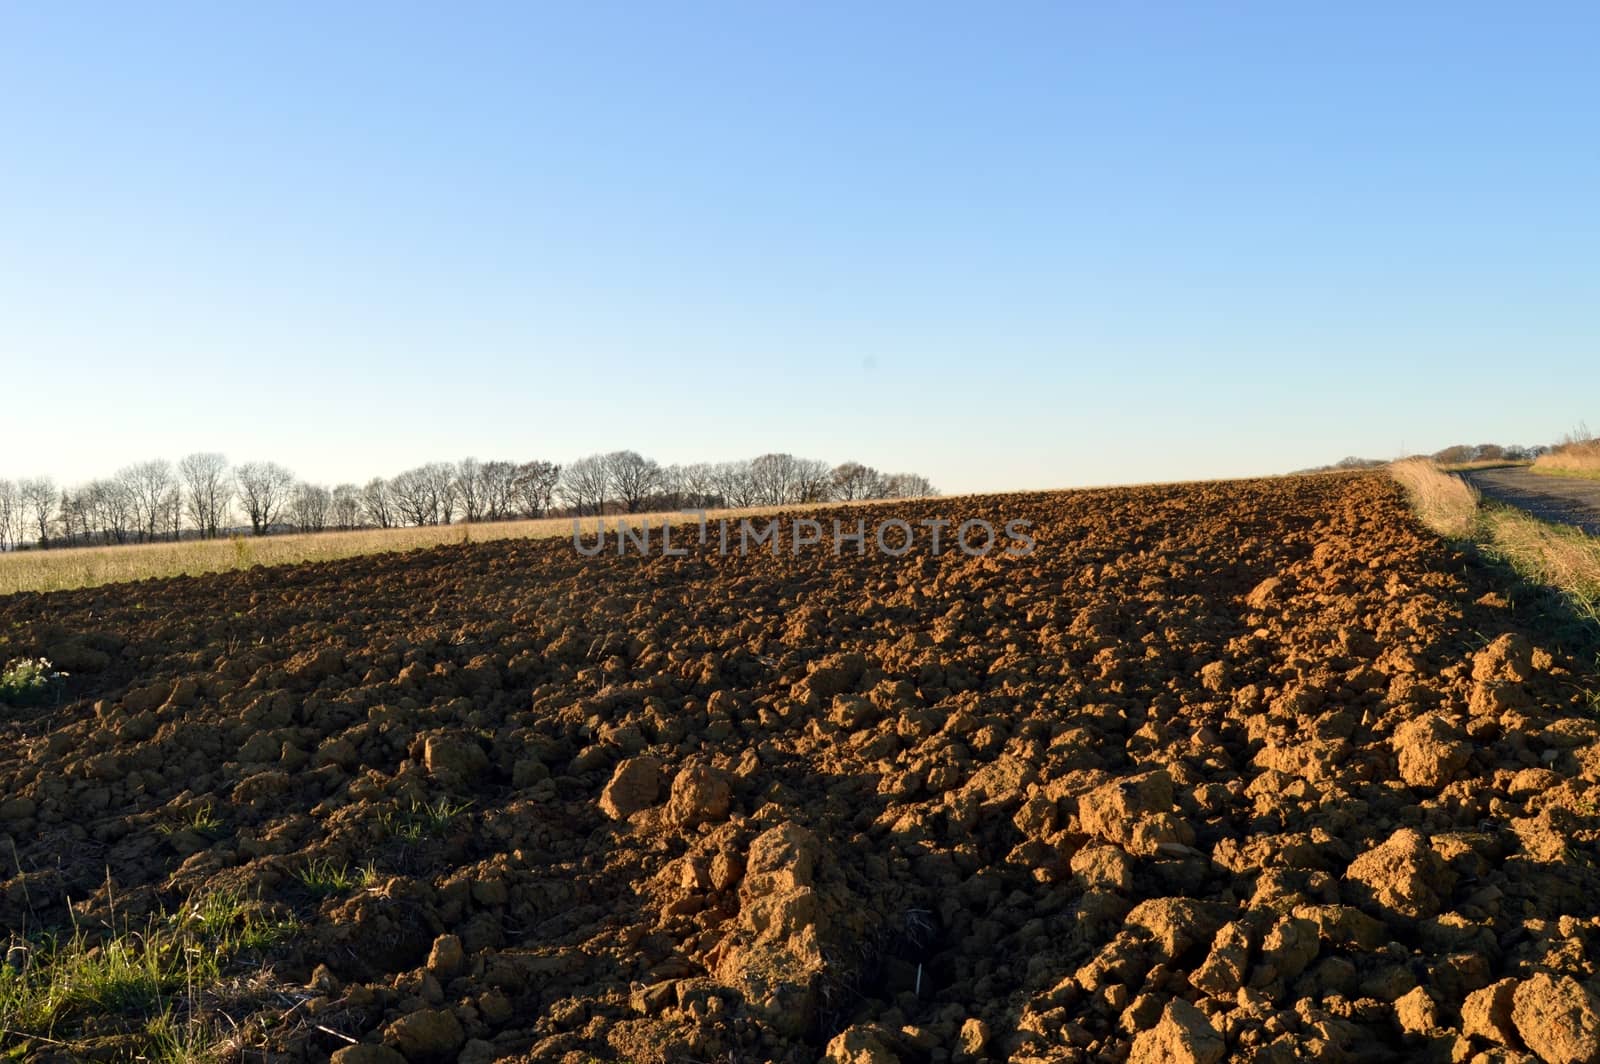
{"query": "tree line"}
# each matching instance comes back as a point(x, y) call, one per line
point(1487, 452)
point(1455, 454)
point(203, 496)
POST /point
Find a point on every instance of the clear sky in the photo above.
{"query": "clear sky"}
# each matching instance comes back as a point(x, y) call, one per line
point(1006, 245)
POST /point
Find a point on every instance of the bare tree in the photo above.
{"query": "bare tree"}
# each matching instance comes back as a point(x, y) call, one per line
point(672, 487)
point(377, 503)
point(308, 507)
point(853, 481)
point(38, 496)
point(75, 516)
point(633, 477)
point(67, 515)
point(585, 482)
point(688, 486)
point(263, 487)
point(128, 494)
point(696, 485)
point(813, 481)
point(111, 509)
point(172, 510)
point(773, 476)
point(346, 506)
point(148, 484)
point(10, 514)
point(735, 482)
point(208, 491)
point(533, 487)
point(425, 495)
point(468, 485)
point(441, 478)
point(412, 498)
point(908, 486)
point(498, 479)
point(1577, 437)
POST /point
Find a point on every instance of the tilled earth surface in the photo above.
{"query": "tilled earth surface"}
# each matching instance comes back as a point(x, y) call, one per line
point(1258, 770)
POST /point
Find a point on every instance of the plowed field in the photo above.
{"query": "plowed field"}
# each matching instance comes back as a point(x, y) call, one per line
point(1259, 769)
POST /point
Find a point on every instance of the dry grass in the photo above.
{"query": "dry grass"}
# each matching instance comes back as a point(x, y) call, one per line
point(1482, 463)
point(1447, 504)
point(90, 567)
point(57, 570)
point(1557, 555)
point(75, 567)
point(1580, 459)
point(1554, 555)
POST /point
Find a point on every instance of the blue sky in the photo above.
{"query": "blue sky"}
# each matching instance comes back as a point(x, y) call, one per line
point(1008, 246)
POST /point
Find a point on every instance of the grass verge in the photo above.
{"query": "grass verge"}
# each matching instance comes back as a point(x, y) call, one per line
point(1446, 504)
point(1556, 556)
point(1562, 557)
point(1575, 474)
point(1577, 458)
point(75, 567)
point(1480, 463)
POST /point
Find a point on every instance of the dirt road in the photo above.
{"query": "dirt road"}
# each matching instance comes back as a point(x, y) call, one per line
point(1565, 499)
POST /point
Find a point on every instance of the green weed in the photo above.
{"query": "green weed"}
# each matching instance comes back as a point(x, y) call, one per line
point(30, 682)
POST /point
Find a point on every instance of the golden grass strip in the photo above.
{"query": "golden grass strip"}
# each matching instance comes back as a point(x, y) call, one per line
point(76, 567)
point(1571, 460)
point(1447, 504)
